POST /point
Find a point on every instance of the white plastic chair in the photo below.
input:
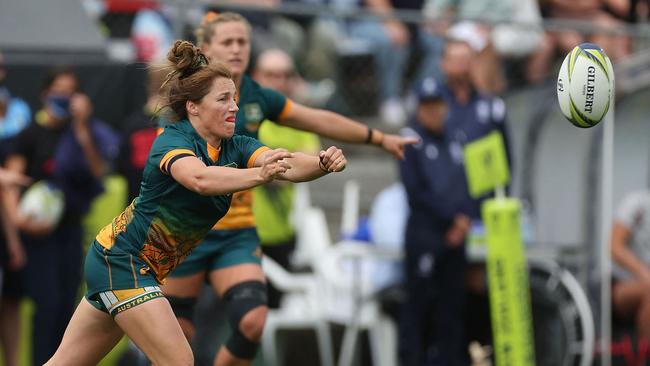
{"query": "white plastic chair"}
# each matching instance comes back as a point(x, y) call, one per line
point(312, 232)
point(300, 308)
point(350, 299)
point(348, 289)
point(350, 208)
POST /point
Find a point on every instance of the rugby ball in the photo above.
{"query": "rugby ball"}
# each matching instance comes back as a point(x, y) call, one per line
point(585, 85)
point(43, 203)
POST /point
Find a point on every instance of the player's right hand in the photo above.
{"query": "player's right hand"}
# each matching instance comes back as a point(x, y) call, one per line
point(274, 164)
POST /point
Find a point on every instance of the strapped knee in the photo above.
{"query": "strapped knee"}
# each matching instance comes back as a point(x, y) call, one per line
point(241, 299)
point(183, 307)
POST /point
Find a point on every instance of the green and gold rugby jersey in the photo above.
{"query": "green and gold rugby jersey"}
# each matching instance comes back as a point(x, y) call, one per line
point(166, 221)
point(256, 104)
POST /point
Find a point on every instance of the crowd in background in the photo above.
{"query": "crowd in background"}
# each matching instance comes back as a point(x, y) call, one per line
point(439, 77)
point(508, 37)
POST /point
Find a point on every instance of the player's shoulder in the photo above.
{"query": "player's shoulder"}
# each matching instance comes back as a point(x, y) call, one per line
point(177, 133)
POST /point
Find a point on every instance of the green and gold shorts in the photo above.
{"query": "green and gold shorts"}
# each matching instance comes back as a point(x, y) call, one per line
point(118, 281)
point(222, 249)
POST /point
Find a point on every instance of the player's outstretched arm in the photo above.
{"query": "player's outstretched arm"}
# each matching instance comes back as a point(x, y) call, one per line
point(194, 175)
point(306, 167)
point(338, 127)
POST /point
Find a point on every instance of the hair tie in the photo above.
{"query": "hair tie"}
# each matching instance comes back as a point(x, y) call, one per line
point(208, 17)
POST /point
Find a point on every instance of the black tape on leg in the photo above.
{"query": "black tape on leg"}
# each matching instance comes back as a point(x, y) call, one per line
point(241, 299)
point(242, 347)
point(183, 307)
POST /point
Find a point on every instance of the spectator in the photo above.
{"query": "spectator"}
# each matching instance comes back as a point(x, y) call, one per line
point(140, 132)
point(391, 41)
point(639, 11)
point(481, 24)
point(14, 116)
point(441, 209)
point(272, 203)
point(151, 34)
point(430, 256)
point(277, 69)
point(69, 148)
point(14, 113)
point(12, 259)
point(631, 254)
point(486, 69)
point(564, 41)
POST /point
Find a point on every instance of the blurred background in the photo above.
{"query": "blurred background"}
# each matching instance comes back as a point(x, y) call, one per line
point(366, 60)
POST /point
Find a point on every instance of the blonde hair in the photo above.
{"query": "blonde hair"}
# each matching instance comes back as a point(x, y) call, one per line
point(191, 77)
point(205, 31)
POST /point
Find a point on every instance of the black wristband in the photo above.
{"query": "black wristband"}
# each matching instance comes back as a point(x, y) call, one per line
point(369, 137)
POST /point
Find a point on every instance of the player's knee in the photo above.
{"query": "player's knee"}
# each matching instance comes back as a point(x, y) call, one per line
point(247, 314)
point(252, 325)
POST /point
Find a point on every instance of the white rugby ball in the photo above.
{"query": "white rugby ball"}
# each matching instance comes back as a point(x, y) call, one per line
point(585, 85)
point(43, 203)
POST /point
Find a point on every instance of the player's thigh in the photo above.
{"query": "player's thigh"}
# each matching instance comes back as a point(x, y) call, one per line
point(184, 286)
point(153, 327)
point(224, 278)
point(90, 335)
point(239, 259)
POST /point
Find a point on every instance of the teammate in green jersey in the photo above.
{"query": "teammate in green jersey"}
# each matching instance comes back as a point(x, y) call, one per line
point(237, 275)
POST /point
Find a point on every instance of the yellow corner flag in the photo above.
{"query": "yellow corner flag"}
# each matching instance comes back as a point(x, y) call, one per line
point(512, 324)
point(486, 164)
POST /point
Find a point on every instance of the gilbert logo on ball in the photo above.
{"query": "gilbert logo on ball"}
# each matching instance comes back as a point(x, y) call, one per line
point(585, 84)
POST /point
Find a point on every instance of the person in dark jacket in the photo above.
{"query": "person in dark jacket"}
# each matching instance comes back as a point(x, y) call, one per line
point(448, 117)
point(69, 149)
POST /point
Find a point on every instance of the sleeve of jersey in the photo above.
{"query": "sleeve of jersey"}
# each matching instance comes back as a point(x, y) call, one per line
point(278, 106)
point(249, 149)
point(168, 148)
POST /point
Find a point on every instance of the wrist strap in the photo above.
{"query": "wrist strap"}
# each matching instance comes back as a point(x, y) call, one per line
point(369, 137)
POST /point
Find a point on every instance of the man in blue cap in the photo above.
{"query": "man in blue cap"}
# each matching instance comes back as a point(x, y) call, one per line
point(434, 177)
point(448, 116)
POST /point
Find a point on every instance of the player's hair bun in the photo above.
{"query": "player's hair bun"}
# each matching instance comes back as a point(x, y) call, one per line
point(186, 58)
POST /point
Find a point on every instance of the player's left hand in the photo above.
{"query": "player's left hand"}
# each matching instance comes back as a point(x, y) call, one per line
point(395, 144)
point(332, 159)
